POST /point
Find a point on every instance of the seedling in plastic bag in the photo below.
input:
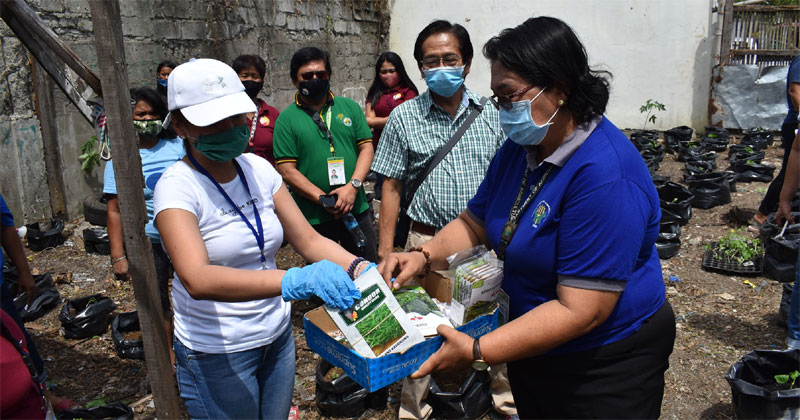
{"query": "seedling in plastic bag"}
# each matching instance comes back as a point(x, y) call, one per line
point(782, 379)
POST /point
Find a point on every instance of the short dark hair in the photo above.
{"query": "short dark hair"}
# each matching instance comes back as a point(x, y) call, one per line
point(166, 63)
point(156, 102)
point(245, 61)
point(443, 26)
point(377, 88)
point(546, 52)
point(306, 54)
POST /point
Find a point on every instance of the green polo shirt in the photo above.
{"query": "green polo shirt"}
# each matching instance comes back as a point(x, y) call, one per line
point(298, 139)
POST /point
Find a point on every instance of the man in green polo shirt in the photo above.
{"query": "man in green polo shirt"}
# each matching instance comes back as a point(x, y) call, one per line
point(323, 147)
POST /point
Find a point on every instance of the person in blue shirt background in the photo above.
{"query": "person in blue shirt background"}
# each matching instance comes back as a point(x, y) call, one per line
point(570, 207)
point(158, 149)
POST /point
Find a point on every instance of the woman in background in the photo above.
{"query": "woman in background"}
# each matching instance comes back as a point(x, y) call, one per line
point(390, 88)
point(163, 70)
point(158, 149)
point(251, 70)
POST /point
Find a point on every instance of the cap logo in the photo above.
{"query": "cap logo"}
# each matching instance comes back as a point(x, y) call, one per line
point(209, 85)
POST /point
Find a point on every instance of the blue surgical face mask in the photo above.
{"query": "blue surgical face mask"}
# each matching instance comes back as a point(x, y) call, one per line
point(444, 81)
point(162, 82)
point(519, 126)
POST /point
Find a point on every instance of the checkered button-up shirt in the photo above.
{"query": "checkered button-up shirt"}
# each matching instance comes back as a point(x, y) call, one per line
point(415, 131)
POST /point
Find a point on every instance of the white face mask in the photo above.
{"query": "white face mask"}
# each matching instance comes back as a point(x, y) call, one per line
point(519, 126)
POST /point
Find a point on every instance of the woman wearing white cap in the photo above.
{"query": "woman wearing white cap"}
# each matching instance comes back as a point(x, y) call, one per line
point(222, 217)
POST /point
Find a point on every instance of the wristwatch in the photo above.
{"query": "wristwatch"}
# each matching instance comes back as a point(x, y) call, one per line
point(477, 360)
point(355, 182)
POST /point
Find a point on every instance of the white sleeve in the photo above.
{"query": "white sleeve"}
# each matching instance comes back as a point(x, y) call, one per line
point(175, 191)
point(264, 172)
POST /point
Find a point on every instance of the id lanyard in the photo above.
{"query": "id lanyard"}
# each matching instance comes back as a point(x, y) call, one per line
point(327, 122)
point(250, 142)
point(516, 210)
point(259, 235)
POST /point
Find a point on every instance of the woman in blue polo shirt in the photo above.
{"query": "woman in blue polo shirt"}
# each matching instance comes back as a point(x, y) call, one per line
point(569, 205)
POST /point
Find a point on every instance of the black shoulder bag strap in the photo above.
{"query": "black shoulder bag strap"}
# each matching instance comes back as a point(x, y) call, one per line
point(443, 152)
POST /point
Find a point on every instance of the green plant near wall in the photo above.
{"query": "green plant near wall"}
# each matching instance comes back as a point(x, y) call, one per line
point(90, 157)
point(649, 108)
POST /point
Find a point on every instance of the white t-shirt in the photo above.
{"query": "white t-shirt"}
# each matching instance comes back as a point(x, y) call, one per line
point(223, 327)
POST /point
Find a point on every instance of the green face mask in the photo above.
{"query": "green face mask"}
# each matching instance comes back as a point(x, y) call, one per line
point(147, 128)
point(224, 145)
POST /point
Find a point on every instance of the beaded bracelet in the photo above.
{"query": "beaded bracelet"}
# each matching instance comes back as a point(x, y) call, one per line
point(116, 260)
point(360, 268)
point(351, 270)
point(427, 268)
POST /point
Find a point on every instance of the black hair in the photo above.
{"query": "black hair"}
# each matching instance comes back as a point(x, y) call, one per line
point(156, 102)
point(377, 88)
point(443, 26)
point(546, 52)
point(245, 61)
point(166, 63)
point(306, 54)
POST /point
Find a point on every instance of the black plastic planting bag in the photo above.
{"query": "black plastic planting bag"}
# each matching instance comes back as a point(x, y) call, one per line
point(660, 179)
point(753, 387)
point(710, 190)
point(732, 178)
point(676, 199)
point(694, 153)
point(86, 317)
point(95, 240)
point(675, 135)
point(747, 172)
point(769, 228)
point(759, 138)
point(127, 322)
point(47, 298)
point(339, 397)
point(45, 235)
point(780, 257)
point(472, 400)
point(717, 144)
point(669, 240)
point(698, 167)
point(115, 410)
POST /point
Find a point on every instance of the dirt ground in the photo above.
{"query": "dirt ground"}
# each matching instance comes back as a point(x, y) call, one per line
point(719, 319)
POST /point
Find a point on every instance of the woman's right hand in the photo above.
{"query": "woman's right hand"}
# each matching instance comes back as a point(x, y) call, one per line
point(121, 270)
point(399, 267)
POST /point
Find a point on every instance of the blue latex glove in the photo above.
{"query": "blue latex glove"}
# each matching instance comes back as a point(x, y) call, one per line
point(324, 279)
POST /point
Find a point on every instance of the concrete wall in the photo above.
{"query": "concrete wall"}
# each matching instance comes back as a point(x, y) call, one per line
point(659, 50)
point(353, 31)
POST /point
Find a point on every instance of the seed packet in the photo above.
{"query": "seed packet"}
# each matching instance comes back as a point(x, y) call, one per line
point(422, 310)
point(478, 279)
point(376, 324)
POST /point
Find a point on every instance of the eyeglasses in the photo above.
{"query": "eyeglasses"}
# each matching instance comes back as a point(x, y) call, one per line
point(450, 60)
point(321, 74)
point(504, 101)
point(388, 71)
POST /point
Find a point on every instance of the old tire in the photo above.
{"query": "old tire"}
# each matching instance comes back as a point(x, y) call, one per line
point(94, 210)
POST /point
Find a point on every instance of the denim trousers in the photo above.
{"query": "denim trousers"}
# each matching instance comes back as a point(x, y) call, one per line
point(249, 384)
point(793, 322)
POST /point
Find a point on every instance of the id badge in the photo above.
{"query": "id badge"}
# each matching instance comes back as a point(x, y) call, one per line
point(336, 174)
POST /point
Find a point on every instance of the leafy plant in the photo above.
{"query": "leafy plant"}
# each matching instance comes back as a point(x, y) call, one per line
point(90, 157)
point(749, 149)
point(711, 135)
point(738, 246)
point(782, 379)
point(98, 402)
point(750, 162)
point(649, 109)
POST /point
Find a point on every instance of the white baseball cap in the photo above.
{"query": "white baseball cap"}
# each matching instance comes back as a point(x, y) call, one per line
point(206, 91)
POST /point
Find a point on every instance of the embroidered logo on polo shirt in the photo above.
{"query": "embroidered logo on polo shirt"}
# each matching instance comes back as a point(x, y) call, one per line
point(347, 121)
point(541, 212)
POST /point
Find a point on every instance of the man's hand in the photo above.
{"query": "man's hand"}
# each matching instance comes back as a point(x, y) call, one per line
point(346, 197)
point(784, 213)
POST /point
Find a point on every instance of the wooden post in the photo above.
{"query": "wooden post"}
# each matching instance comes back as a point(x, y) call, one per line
point(128, 173)
point(46, 110)
point(727, 33)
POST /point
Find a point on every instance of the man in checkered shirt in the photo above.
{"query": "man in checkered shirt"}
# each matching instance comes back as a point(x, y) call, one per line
point(414, 133)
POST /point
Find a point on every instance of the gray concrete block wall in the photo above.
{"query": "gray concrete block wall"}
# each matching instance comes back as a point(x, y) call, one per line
point(155, 30)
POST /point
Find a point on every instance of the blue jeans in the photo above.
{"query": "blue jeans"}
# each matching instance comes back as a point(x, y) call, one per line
point(793, 322)
point(256, 383)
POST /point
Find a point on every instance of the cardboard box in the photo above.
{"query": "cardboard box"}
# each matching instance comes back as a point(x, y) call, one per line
point(374, 374)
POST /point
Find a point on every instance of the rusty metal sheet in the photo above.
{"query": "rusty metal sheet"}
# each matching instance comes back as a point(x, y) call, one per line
point(742, 98)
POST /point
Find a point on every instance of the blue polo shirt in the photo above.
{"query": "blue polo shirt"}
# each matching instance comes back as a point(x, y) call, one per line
point(793, 76)
point(6, 219)
point(594, 221)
